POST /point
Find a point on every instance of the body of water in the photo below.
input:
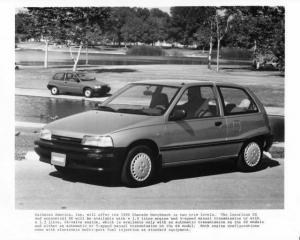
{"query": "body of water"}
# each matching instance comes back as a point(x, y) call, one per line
point(36, 58)
point(44, 110)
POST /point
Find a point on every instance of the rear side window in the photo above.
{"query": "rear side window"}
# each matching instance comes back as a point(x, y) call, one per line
point(59, 76)
point(236, 101)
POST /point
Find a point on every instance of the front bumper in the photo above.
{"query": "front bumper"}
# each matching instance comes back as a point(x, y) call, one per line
point(83, 157)
point(102, 90)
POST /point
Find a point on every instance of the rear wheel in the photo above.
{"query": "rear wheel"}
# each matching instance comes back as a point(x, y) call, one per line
point(88, 92)
point(250, 156)
point(138, 168)
point(54, 90)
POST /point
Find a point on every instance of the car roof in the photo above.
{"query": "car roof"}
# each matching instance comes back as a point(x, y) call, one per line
point(185, 82)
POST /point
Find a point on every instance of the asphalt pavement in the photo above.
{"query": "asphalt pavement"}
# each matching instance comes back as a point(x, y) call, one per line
point(215, 185)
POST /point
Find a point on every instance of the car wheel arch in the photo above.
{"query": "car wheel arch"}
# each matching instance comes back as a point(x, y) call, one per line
point(147, 142)
point(85, 87)
point(261, 140)
point(49, 86)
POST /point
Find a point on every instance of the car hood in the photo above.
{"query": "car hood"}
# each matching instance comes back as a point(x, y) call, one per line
point(97, 122)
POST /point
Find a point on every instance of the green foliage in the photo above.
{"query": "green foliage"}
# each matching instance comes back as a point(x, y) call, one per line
point(145, 51)
point(259, 28)
point(230, 53)
point(186, 21)
point(23, 21)
point(77, 25)
point(131, 25)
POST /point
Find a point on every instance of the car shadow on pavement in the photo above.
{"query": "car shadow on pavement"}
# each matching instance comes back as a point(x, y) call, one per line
point(209, 168)
point(88, 177)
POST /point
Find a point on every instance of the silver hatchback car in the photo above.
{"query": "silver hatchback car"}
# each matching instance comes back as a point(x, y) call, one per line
point(76, 83)
point(149, 125)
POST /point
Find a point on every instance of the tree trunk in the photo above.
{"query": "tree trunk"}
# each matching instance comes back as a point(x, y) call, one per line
point(46, 55)
point(210, 52)
point(77, 58)
point(218, 54)
point(86, 56)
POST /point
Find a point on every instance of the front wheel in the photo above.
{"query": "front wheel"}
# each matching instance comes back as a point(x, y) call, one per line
point(138, 168)
point(88, 92)
point(250, 156)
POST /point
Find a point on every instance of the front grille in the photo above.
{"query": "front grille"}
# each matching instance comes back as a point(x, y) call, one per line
point(65, 140)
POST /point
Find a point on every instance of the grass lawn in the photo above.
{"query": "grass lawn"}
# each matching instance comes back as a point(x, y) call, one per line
point(268, 85)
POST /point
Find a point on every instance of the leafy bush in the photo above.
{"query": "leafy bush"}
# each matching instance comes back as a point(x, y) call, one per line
point(236, 53)
point(145, 51)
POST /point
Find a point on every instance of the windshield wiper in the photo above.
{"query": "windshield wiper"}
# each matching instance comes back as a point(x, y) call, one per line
point(106, 108)
point(132, 111)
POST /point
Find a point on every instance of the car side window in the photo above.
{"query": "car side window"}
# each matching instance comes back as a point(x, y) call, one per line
point(69, 76)
point(236, 101)
point(59, 76)
point(198, 102)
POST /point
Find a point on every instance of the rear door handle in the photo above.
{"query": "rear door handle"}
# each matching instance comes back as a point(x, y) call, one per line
point(218, 123)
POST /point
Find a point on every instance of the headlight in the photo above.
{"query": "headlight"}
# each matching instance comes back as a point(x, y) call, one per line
point(98, 141)
point(97, 86)
point(45, 134)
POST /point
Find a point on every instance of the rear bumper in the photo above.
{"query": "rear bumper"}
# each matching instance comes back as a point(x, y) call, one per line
point(83, 157)
point(268, 142)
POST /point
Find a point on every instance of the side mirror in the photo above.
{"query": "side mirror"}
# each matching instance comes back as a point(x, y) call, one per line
point(177, 115)
point(148, 93)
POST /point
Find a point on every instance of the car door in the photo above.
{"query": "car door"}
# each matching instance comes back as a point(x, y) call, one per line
point(242, 116)
point(197, 137)
point(72, 83)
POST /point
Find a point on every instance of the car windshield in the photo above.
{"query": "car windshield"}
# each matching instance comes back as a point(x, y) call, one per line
point(85, 76)
point(143, 99)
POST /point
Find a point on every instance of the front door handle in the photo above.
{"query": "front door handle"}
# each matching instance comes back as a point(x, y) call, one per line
point(218, 123)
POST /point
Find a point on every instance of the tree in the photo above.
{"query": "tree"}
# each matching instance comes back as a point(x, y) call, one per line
point(69, 25)
point(261, 29)
point(45, 25)
point(223, 18)
point(205, 33)
point(158, 22)
point(185, 21)
point(23, 21)
point(118, 18)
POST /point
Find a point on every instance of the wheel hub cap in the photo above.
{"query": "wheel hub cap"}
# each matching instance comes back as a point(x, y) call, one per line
point(140, 167)
point(252, 154)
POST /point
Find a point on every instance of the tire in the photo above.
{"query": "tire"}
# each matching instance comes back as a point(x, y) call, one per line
point(88, 92)
point(54, 90)
point(138, 168)
point(250, 157)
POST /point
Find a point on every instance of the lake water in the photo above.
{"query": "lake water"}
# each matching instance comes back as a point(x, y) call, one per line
point(36, 58)
point(44, 110)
